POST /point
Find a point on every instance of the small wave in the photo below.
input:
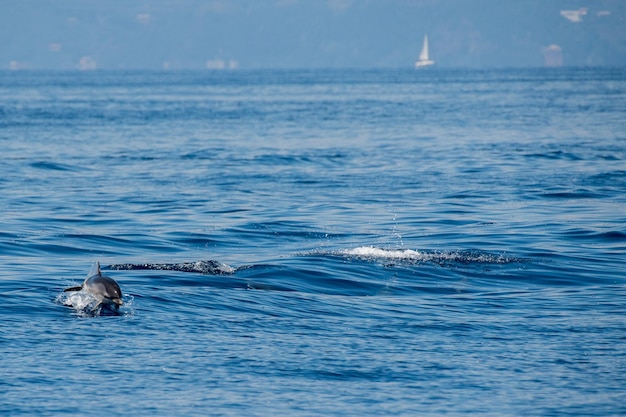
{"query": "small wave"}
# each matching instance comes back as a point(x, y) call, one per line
point(52, 166)
point(556, 155)
point(578, 194)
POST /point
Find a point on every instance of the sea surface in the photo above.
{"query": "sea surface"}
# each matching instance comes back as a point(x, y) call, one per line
point(380, 243)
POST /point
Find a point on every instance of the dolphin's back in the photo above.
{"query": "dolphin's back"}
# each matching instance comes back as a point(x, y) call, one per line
point(102, 286)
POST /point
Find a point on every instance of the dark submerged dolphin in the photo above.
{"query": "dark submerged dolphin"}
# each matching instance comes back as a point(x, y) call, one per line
point(103, 288)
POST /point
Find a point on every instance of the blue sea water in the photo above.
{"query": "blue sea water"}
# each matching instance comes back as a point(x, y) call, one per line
point(446, 242)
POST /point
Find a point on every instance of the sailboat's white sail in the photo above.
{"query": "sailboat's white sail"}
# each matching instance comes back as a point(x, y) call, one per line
point(424, 53)
point(424, 58)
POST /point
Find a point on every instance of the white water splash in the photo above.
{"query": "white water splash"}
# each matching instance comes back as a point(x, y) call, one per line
point(372, 252)
point(83, 302)
point(409, 255)
point(87, 305)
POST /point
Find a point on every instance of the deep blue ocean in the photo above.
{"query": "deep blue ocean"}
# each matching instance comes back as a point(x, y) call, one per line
point(388, 242)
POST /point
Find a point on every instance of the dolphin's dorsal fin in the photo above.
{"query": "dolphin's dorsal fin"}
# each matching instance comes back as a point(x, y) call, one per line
point(95, 270)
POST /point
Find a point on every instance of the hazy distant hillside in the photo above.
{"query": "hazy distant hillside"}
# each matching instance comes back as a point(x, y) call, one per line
point(308, 33)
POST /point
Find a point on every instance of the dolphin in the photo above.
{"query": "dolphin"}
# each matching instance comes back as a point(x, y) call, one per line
point(104, 289)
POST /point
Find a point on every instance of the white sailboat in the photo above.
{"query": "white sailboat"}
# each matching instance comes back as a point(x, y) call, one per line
point(424, 59)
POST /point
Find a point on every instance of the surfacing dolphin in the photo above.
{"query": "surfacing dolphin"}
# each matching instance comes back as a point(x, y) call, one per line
point(104, 289)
